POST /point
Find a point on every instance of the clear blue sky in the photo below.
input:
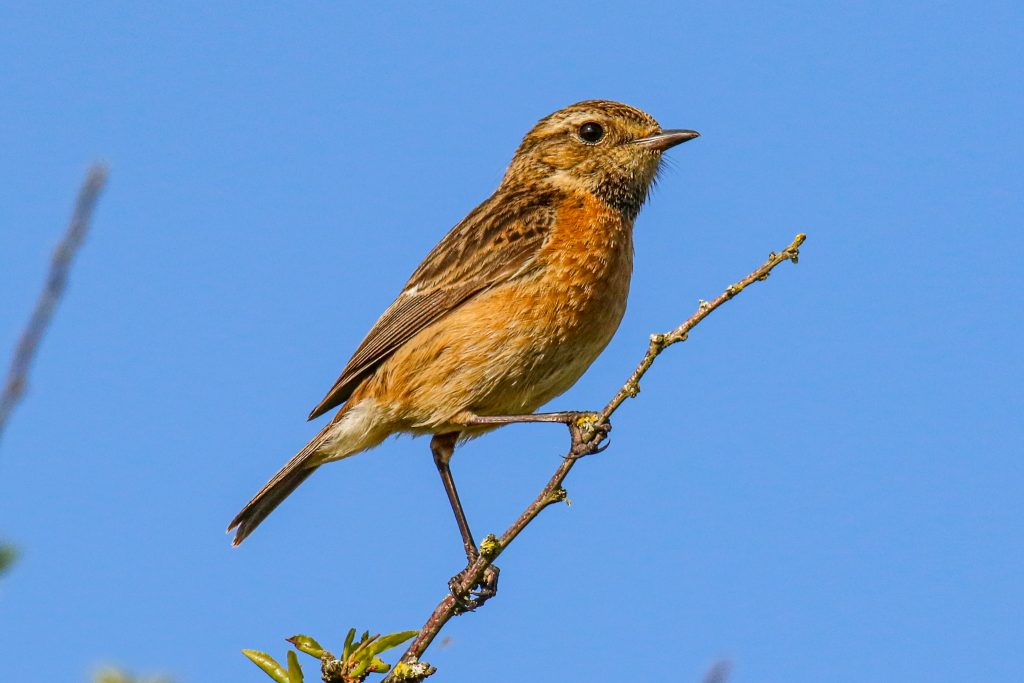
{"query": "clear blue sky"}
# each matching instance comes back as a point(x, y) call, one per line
point(824, 484)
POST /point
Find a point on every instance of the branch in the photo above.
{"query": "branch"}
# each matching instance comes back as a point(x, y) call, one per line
point(587, 433)
point(56, 281)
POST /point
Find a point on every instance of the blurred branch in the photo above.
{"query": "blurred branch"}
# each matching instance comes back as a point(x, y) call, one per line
point(587, 432)
point(56, 281)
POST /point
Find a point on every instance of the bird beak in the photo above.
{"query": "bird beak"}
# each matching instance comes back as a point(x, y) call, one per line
point(666, 139)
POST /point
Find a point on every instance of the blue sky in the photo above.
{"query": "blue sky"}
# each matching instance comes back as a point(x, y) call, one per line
point(824, 483)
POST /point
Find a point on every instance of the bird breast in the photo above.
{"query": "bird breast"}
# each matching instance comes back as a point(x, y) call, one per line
point(513, 348)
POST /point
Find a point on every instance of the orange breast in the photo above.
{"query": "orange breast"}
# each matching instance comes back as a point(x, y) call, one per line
point(590, 253)
point(515, 347)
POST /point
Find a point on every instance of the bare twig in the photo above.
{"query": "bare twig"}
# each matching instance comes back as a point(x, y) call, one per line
point(56, 281)
point(587, 434)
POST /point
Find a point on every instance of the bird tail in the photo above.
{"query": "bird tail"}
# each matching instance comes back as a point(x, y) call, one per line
point(276, 490)
point(355, 428)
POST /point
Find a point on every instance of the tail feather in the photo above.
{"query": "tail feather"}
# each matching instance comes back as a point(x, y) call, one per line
point(357, 426)
point(276, 490)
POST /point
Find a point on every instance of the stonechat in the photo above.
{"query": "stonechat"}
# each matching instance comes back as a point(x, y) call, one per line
point(507, 311)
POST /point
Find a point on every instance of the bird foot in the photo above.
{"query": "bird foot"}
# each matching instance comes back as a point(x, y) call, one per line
point(481, 591)
point(587, 431)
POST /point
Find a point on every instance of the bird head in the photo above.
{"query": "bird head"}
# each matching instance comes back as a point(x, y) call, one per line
point(602, 147)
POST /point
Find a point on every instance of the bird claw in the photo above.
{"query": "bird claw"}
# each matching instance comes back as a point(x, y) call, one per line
point(587, 434)
point(482, 591)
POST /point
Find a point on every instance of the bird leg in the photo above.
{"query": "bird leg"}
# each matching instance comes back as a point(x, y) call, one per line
point(586, 429)
point(443, 447)
point(565, 417)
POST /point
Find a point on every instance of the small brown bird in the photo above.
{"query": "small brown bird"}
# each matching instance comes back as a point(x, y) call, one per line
point(507, 311)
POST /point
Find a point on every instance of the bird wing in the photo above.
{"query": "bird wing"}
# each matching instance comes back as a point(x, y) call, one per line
point(497, 241)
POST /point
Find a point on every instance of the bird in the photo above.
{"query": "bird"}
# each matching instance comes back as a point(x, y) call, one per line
point(507, 311)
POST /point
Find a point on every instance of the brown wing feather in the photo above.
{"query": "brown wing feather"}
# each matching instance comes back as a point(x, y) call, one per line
point(499, 240)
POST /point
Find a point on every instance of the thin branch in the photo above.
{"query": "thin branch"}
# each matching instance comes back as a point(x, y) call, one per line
point(56, 281)
point(660, 342)
point(587, 434)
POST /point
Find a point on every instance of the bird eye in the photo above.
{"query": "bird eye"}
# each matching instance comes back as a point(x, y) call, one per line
point(591, 132)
